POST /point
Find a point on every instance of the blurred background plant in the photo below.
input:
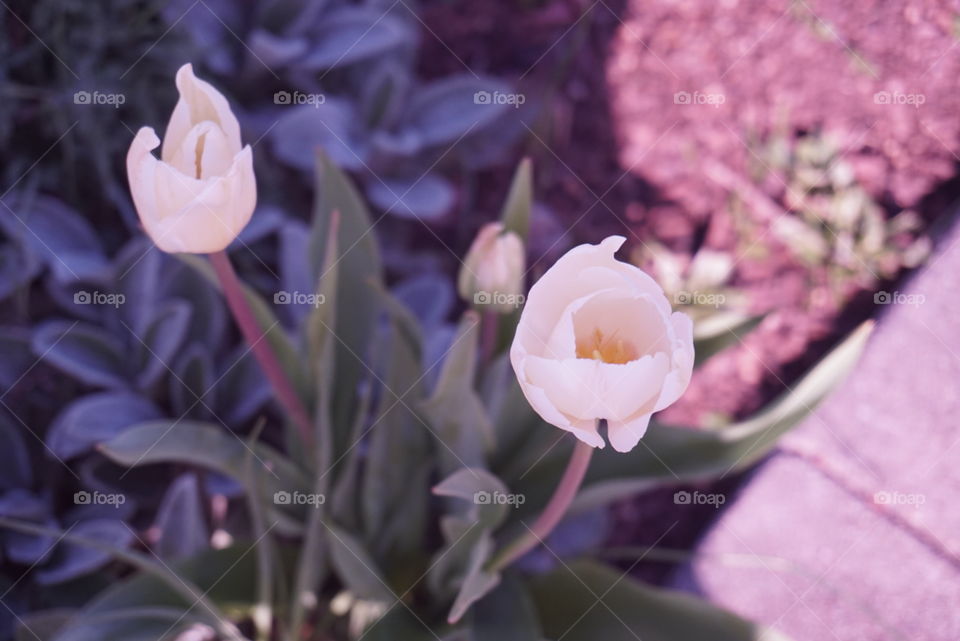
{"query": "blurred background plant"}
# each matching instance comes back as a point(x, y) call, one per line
point(833, 221)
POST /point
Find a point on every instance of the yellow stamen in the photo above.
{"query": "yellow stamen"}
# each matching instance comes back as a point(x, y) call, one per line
point(607, 350)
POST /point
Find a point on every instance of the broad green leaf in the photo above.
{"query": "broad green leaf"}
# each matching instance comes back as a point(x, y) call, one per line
point(506, 614)
point(160, 342)
point(585, 601)
point(86, 352)
point(212, 447)
point(356, 567)
point(321, 344)
point(719, 331)
point(454, 409)
point(352, 34)
point(395, 489)
point(179, 586)
point(400, 623)
point(192, 390)
point(477, 582)
point(287, 353)
point(181, 522)
point(358, 266)
point(517, 209)
point(480, 488)
point(91, 419)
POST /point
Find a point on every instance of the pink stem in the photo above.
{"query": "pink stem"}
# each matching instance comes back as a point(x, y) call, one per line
point(254, 335)
point(553, 513)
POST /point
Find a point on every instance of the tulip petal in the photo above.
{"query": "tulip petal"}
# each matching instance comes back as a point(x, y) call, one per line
point(586, 431)
point(199, 101)
point(624, 435)
point(676, 382)
point(584, 270)
point(181, 213)
point(206, 215)
point(633, 387)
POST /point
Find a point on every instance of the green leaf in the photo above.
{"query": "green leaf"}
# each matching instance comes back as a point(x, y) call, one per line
point(322, 319)
point(42, 625)
point(477, 486)
point(212, 447)
point(506, 614)
point(518, 206)
point(358, 266)
point(477, 582)
point(395, 488)
point(287, 353)
point(458, 570)
point(160, 341)
point(719, 331)
point(455, 410)
point(399, 623)
point(86, 352)
point(179, 586)
point(586, 601)
point(356, 568)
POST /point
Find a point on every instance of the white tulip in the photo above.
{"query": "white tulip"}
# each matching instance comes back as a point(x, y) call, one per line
point(597, 340)
point(201, 193)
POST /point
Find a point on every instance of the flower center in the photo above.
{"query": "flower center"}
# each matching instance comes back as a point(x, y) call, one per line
point(607, 349)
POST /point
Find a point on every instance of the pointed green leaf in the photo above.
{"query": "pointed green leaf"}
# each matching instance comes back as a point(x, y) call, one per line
point(518, 206)
point(585, 601)
point(356, 567)
point(212, 447)
point(719, 331)
point(358, 265)
point(455, 410)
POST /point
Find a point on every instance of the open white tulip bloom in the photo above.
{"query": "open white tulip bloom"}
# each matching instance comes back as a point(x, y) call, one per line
point(202, 191)
point(597, 340)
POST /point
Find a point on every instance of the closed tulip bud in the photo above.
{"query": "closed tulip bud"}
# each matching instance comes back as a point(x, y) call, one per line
point(201, 193)
point(492, 273)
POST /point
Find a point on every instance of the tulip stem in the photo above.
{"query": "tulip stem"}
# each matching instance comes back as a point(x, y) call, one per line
point(552, 514)
point(255, 336)
point(489, 326)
